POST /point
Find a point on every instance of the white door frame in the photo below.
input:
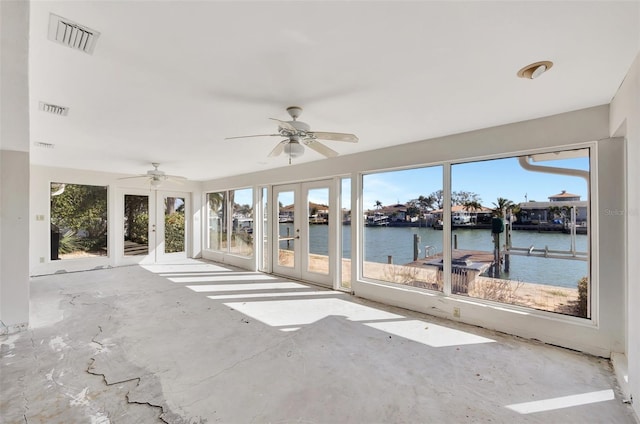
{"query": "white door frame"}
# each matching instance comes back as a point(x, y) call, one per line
point(301, 233)
point(160, 255)
point(155, 229)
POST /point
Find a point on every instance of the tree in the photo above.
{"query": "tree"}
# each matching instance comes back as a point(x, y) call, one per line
point(426, 203)
point(438, 198)
point(378, 204)
point(81, 209)
point(462, 197)
point(472, 206)
point(412, 208)
point(502, 206)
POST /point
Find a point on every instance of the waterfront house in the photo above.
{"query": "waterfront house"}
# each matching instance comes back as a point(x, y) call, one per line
point(558, 209)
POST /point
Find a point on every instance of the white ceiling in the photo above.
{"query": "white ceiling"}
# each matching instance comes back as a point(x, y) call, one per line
point(168, 81)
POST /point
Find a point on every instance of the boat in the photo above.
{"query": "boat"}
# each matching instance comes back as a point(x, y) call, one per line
point(378, 219)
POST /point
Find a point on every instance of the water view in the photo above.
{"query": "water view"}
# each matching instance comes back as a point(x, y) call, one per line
point(381, 242)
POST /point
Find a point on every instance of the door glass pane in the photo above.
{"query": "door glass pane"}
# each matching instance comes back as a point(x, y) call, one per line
point(78, 221)
point(318, 226)
point(400, 222)
point(521, 231)
point(174, 228)
point(242, 230)
point(136, 225)
point(345, 207)
point(286, 231)
point(265, 229)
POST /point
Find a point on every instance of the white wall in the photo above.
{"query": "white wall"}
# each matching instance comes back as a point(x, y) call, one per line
point(42, 177)
point(625, 121)
point(602, 336)
point(14, 166)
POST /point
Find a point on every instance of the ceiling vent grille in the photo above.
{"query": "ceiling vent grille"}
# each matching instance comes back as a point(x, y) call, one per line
point(43, 145)
point(55, 109)
point(71, 34)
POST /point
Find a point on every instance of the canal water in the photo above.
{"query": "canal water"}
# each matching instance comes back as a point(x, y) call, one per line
point(381, 242)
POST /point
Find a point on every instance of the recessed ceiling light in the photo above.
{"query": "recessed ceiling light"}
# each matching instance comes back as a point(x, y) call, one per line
point(534, 70)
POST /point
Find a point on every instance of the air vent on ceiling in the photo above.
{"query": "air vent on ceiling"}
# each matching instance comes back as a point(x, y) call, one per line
point(43, 145)
point(71, 34)
point(55, 109)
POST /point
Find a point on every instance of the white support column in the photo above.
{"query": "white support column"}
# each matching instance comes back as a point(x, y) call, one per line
point(14, 166)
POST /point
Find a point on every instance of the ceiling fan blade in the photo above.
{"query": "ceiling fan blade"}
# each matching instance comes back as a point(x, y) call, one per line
point(322, 149)
point(176, 180)
point(258, 135)
point(333, 136)
point(278, 149)
point(285, 125)
point(135, 176)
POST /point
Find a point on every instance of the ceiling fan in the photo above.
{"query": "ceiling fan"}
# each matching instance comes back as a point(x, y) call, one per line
point(156, 177)
point(298, 134)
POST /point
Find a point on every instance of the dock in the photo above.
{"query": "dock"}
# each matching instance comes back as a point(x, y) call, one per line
point(466, 266)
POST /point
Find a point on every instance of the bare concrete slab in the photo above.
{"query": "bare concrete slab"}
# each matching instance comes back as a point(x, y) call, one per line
point(196, 342)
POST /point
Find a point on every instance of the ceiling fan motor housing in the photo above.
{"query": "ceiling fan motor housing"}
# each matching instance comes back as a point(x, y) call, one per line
point(294, 111)
point(300, 126)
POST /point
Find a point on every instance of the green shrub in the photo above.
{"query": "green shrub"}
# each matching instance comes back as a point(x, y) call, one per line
point(174, 232)
point(583, 295)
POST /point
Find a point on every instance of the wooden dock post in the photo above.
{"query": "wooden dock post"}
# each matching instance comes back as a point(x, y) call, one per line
point(496, 255)
point(390, 259)
point(507, 244)
point(455, 242)
point(416, 247)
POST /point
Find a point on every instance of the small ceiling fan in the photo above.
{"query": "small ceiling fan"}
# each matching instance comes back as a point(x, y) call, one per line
point(298, 134)
point(156, 177)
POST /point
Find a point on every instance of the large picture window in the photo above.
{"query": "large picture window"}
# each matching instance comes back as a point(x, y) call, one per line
point(520, 229)
point(402, 211)
point(78, 221)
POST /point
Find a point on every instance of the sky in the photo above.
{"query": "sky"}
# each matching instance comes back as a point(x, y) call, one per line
point(489, 179)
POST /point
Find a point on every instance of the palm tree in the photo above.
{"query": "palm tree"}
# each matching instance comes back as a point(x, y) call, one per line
point(502, 206)
point(378, 204)
point(472, 205)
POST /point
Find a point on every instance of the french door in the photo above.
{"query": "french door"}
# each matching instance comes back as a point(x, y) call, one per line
point(304, 237)
point(154, 227)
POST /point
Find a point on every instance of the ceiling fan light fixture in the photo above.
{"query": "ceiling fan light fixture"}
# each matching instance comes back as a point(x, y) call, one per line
point(156, 182)
point(294, 149)
point(535, 70)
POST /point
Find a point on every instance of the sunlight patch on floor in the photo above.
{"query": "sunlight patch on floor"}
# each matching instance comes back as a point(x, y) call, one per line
point(562, 402)
point(214, 278)
point(291, 313)
point(244, 287)
point(429, 334)
point(263, 295)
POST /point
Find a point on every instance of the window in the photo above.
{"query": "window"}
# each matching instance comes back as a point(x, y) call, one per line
point(231, 213)
point(345, 234)
point(217, 218)
point(401, 241)
point(520, 231)
point(241, 202)
point(78, 221)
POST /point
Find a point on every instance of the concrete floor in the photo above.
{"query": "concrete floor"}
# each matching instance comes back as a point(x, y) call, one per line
point(199, 342)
